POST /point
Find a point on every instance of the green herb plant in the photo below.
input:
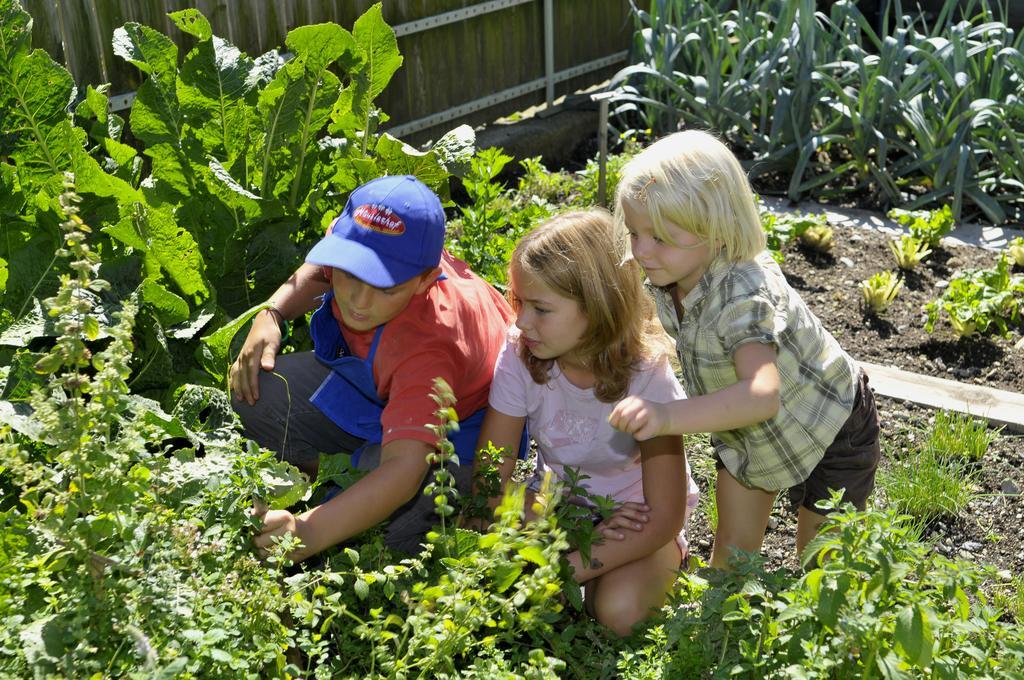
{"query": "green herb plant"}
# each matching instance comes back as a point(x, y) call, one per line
point(489, 227)
point(442, 486)
point(879, 291)
point(469, 605)
point(958, 435)
point(488, 605)
point(873, 602)
point(128, 549)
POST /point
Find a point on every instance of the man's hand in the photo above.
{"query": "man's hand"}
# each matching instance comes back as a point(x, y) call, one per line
point(258, 352)
point(631, 516)
point(276, 524)
point(641, 418)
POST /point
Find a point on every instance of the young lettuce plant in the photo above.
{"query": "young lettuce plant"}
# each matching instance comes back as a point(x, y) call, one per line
point(781, 229)
point(978, 300)
point(1015, 249)
point(928, 226)
point(818, 237)
point(878, 291)
point(909, 252)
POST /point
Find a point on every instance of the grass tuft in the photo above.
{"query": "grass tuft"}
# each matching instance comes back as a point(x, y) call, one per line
point(958, 435)
point(928, 485)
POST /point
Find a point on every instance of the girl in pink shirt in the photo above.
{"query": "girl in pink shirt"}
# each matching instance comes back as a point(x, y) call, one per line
point(586, 336)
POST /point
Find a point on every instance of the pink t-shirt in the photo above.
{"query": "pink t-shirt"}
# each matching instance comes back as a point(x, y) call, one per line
point(570, 425)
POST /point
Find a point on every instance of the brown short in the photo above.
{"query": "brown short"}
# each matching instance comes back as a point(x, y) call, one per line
point(849, 462)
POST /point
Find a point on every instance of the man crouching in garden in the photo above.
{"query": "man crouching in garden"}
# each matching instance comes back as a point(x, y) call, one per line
point(393, 312)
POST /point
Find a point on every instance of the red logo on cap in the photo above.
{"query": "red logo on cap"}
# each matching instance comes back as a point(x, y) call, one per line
point(379, 218)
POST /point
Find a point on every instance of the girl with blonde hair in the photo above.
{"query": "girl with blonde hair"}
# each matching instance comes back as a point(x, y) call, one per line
point(585, 337)
point(786, 406)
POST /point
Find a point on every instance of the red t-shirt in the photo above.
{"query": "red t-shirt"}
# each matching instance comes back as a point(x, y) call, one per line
point(453, 330)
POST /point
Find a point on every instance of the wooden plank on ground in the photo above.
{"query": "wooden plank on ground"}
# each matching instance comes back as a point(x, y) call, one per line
point(999, 407)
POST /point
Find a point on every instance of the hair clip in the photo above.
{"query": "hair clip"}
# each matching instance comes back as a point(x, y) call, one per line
point(641, 193)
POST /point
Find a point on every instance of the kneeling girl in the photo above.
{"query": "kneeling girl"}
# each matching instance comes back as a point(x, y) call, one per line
point(586, 335)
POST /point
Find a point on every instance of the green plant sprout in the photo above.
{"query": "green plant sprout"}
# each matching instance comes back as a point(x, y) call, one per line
point(928, 226)
point(129, 534)
point(909, 252)
point(879, 290)
point(1015, 249)
point(818, 237)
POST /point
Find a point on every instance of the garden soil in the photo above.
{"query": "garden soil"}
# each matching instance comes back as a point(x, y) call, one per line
point(829, 285)
point(991, 530)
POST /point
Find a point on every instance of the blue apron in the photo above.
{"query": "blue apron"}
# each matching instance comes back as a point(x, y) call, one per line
point(349, 396)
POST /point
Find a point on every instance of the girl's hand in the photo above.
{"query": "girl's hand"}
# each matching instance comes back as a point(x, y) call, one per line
point(276, 523)
point(641, 418)
point(632, 516)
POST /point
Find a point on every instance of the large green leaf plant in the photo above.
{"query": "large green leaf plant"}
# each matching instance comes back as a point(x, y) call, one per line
point(237, 166)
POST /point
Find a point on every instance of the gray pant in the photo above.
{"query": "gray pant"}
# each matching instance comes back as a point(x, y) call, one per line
point(283, 420)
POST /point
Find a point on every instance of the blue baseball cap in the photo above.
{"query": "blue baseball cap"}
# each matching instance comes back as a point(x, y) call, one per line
point(392, 229)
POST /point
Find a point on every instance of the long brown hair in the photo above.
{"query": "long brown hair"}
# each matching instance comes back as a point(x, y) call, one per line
point(584, 257)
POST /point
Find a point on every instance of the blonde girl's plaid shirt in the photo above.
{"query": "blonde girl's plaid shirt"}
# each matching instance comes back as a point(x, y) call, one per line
point(736, 303)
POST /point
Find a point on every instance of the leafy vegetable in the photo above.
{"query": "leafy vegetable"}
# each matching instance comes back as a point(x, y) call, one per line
point(927, 226)
point(909, 252)
point(977, 301)
point(879, 290)
point(1015, 249)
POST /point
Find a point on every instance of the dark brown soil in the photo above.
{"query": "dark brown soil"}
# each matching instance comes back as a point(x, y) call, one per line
point(829, 285)
point(991, 530)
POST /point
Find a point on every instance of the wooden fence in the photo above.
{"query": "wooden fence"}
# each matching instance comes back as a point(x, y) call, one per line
point(460, 66)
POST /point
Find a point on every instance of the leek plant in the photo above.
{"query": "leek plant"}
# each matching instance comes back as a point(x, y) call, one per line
point(909, 113)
